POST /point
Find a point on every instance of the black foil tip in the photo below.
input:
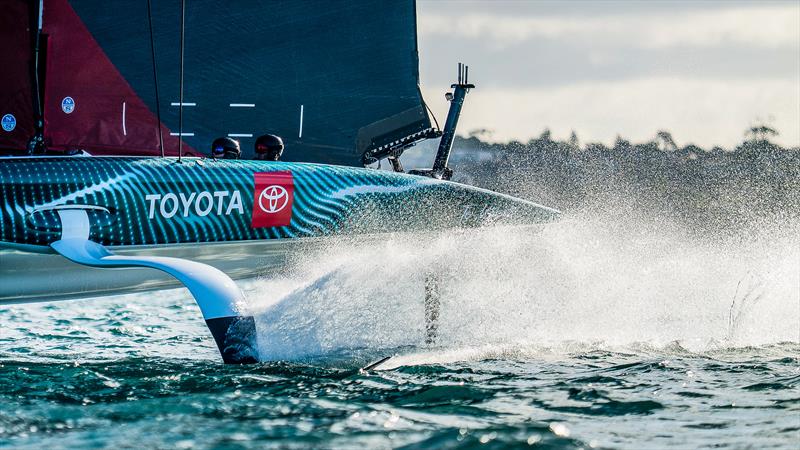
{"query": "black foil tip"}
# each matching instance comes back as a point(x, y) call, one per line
point(235, 338)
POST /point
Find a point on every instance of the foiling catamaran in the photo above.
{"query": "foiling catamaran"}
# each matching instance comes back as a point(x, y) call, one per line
point(107, 109)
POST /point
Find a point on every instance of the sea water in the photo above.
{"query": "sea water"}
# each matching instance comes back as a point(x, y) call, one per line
point(586, 333)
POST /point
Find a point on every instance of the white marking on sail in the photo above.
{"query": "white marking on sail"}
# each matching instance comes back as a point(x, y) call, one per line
point(242, 105)
point(184, 104)
point(240, 134)
point(301, 122)
point(181, 134)
point(124, 130)
point(41, 10)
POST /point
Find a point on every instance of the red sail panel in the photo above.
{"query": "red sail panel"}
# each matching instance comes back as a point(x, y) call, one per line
point(88, 104)
point(16, 100)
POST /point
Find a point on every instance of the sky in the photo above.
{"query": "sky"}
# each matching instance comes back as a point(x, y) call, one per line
point(705, 71)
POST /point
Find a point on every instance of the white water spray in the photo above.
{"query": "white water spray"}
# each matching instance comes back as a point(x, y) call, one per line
point(575, 285)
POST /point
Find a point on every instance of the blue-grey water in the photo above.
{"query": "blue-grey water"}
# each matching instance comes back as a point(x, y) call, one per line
point(575, 336)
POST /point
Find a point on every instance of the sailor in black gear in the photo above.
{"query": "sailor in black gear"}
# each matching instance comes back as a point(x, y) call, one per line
point(225, 148)
point(269, 147)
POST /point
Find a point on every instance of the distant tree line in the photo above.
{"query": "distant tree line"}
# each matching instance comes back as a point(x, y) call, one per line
point(719, 189)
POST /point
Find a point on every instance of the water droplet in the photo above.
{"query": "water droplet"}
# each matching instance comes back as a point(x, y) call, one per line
point(559, 429)
point(392, 421)
point(487, 437)
point(534, 438)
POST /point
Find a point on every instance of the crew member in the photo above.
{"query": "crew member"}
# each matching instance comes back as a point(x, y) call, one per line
point(226, 148)
point(269, 147)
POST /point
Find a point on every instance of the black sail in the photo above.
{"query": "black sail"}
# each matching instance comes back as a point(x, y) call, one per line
point(334, 79)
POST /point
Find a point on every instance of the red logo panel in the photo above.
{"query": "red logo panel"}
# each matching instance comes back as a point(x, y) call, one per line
point(273, 199)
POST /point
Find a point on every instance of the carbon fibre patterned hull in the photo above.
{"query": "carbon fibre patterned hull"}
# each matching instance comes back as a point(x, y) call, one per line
point(255, 211)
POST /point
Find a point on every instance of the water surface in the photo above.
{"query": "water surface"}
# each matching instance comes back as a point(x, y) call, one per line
point(557, 340)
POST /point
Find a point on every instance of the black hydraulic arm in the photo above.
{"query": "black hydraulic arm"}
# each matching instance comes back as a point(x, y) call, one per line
point(456, 98)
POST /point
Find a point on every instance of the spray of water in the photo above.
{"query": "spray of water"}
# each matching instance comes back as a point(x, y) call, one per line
point(590, 281)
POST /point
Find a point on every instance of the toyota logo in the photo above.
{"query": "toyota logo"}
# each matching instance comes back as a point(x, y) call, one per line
point(273, 199)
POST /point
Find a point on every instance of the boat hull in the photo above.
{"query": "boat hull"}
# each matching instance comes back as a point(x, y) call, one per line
point(153, 201)
point(239, 216)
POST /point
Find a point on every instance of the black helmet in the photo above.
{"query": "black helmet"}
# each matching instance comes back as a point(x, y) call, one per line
point(269, 147)
point(225, 147)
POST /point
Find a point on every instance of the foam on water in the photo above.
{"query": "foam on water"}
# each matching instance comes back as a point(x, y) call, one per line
point(586, 282)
